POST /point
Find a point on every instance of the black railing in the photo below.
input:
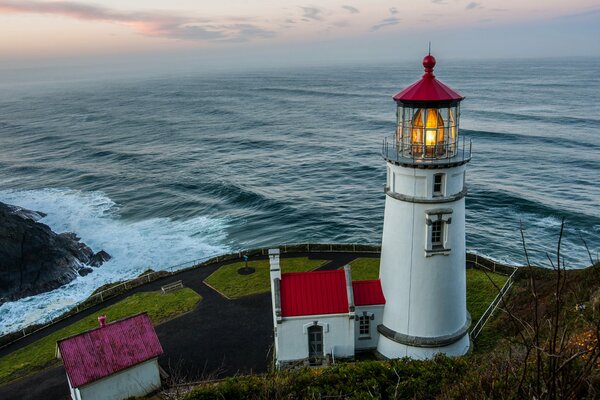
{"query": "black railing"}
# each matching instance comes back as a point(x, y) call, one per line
point(407, 152)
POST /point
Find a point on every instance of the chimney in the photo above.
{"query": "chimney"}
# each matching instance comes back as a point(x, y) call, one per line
point(275, 275)
point(275, 270)
point(102, 321)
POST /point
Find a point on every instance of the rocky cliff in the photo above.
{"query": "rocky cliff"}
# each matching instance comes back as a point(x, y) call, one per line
point(34, 259)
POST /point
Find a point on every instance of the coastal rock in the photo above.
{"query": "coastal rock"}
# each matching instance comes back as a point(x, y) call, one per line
point(34, 259)
point(99, 258)
point(84, 271)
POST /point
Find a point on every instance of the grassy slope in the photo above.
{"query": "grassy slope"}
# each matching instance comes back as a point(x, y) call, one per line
point(481, 291)
point(40, 354)
point(233, 285)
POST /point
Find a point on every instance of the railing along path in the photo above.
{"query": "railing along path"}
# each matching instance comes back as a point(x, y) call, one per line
point(122, 287)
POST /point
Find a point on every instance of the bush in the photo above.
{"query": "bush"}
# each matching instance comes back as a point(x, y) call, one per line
point(396, 379)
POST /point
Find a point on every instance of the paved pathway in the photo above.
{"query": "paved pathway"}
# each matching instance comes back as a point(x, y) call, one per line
point(219, 338)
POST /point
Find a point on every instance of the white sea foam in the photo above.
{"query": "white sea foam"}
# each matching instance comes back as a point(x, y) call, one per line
point(135, 246)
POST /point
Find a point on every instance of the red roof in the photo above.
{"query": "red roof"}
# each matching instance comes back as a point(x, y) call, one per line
point(312, 293)
point(367, 293)
point(428, 88)
point(102, 351)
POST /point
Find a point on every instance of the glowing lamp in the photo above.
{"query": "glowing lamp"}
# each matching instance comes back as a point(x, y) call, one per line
point(427, 117)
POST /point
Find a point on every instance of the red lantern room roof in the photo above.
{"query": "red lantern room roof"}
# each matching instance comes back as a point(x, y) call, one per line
point(428, 88)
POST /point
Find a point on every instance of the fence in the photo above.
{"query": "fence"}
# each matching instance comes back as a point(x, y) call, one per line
point(477, 261)
point(492, 307)
point(122, 287)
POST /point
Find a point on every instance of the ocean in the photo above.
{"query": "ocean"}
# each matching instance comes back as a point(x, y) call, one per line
point(161, 169)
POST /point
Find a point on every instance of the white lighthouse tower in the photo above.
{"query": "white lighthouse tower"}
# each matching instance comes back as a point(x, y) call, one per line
point(422, 268)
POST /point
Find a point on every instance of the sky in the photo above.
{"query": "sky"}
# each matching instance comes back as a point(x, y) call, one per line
point(274, 32)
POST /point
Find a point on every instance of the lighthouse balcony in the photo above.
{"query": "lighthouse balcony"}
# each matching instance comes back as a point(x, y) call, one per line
point(407, 153)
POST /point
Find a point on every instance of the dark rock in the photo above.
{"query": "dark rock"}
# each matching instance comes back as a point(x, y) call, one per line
point(33, 259)
point(84, 271)
point(25, 213)
point(70, 236)
point(99, 258)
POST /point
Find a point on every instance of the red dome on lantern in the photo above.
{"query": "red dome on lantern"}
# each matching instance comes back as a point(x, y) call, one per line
point(428, 88)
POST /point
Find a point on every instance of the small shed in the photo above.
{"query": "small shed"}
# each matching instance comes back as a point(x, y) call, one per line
point(322, 315)
point(114, 361)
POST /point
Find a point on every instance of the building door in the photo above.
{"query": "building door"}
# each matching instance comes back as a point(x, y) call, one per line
point(315, 342)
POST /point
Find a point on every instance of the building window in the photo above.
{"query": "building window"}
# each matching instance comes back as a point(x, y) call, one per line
point(438, 185)
point(364, 326)
point(437, 235)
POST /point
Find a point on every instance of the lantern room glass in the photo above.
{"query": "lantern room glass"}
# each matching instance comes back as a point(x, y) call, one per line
point(427, 132)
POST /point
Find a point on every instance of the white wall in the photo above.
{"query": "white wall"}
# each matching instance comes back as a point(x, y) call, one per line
point(392, 349)
point(75, 395)
point(425, 294)
point(292, 337)
point(418, 182)
point(136, 381)
point(371, 343)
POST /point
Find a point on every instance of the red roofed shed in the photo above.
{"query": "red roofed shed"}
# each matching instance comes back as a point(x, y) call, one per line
point(313, 293)
point(109, 349)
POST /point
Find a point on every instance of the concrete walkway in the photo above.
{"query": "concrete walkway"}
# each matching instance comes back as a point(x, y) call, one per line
point(219, 338)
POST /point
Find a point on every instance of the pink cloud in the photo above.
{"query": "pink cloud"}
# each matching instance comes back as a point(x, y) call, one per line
point(150, 24)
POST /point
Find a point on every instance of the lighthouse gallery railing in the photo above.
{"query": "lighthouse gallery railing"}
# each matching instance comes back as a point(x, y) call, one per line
point(405, 152)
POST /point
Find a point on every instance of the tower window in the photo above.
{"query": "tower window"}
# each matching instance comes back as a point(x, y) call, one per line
point(437, 231)
point(438, 185)
point(437, 235)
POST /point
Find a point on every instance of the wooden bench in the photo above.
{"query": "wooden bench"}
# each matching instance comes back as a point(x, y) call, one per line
point(169, 287)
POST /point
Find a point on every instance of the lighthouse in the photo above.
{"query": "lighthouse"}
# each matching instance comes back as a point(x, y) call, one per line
point(422, 270)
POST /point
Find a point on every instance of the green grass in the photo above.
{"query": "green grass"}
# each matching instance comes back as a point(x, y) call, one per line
point(480, 291)
point(233, 285)
point(41, 353)
point(365, 269)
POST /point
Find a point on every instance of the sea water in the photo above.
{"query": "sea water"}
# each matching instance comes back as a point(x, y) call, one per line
point(163, 169)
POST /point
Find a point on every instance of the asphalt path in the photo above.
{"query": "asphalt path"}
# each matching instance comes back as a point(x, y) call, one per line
point(219, 338)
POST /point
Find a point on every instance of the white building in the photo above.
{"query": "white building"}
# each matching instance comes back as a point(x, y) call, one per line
point(322, 314)
point(114, 361)
point(422, 271)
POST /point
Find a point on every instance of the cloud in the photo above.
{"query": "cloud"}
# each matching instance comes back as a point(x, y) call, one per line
point(393, 10)
point(351, 10)
point(341, 24)
point(384, 23)
point(439, 1)
point(472, 5)
point(312, 13)
point(164, 25)
point(593, 13)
